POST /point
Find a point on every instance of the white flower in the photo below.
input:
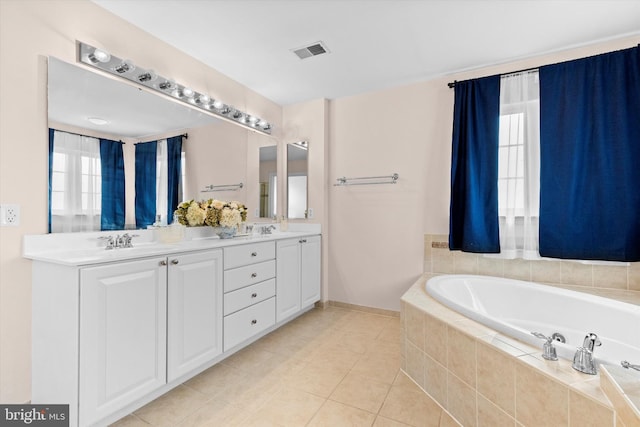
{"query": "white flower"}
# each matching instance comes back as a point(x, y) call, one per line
point(217, 204)
point(195, 215)
point(230, 218)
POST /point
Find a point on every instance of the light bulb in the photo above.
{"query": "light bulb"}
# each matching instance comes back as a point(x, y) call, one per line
point(167, 84)
point(99, 55)
point(188, 92)
point(253, 120)
point(149, 76)
point(218, 104)
point(204, 99)
point(124, 66)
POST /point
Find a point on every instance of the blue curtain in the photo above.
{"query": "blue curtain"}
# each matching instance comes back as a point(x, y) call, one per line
point(52, 133)
point(590, 158)
point(113, 199)
point(146, 184)
point(174, 153)
point(473, 218)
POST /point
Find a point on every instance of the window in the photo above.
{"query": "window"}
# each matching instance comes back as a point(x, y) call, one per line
point(519, 165)
point(76, 183)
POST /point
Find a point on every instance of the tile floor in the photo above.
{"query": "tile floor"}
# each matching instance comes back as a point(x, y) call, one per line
point(330, 367)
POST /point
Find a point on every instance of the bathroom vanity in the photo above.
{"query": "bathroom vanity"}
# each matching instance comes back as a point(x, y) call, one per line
point(115, 329)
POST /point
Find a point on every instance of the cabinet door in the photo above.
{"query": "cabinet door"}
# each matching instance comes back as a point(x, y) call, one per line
point(287, 278)
point(122, 335)
point(194, 311)
point(310, 256)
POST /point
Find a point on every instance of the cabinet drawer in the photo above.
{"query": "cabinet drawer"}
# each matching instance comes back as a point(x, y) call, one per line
point(247, 296)
point(244, 276)
point(243, 324)
point(236, 256)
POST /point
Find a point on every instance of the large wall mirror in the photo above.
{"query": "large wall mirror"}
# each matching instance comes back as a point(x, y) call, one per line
point(83, 102)
point(297, 170)
point(268, 181)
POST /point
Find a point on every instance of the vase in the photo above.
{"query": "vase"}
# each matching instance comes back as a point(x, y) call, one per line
point(225, 232)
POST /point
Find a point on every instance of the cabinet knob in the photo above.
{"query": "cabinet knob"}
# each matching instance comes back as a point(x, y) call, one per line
point(174, 261)
point(163, 262)
point(254, 253)
point(254, 295)
point(254, 275)
point(254, 321)
point(303, 240)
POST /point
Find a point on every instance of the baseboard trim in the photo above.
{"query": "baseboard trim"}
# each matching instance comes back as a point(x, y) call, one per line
point(372, 310)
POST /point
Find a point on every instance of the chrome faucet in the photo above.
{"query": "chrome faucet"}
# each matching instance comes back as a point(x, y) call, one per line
point(266, 229)
point(548, 350)
point(583, 360)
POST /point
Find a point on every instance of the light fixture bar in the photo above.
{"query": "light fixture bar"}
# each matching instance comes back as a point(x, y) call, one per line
point(102, 60)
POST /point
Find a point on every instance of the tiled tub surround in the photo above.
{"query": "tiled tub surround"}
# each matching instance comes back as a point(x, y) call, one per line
point(484, 378)
point(603, 280)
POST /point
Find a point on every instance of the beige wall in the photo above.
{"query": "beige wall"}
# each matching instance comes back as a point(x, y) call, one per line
point(377, 231)
point(29, 32)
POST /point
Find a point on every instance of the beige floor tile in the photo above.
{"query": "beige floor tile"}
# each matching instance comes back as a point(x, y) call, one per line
point(414, 408)
point(173, 407)
point(217, 379)
point(361, 392)
point(334, 414)
point(289, 407)
point(216, 413)
point(378, 366)
point(316, 379)
point(130, 421)
point(387, 422)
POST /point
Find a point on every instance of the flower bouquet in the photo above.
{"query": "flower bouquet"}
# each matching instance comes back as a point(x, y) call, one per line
point(224, 217)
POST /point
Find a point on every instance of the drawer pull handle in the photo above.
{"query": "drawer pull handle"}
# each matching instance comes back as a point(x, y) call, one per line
point(254, 321)
point(254, 253)
point(254, 295)
point(254, 275)
point(163, 262)
point(303, 241)
point(174, 261)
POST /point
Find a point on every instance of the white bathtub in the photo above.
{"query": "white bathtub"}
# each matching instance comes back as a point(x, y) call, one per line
point(517, 308)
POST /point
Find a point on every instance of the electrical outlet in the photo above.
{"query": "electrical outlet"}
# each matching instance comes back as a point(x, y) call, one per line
point(9, 215)
point(310, 213)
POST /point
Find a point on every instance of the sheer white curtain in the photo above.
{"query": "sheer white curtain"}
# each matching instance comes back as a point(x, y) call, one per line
point(76, 184)
point(162, 182)
point(519, 165)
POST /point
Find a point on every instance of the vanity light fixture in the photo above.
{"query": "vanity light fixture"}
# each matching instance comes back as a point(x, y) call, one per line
point(102, 60)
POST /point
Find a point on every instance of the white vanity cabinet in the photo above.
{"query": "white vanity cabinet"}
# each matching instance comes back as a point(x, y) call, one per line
point(249, 286)
point(122, 335)
point(111, 335)
point(194, 311)
point(298, 279)
point(113, 330)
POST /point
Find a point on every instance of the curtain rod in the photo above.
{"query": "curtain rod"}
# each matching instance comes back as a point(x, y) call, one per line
point(453, 83)
point(87, 136)
point(184, 135)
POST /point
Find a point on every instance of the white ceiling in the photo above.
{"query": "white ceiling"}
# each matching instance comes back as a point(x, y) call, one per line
point(374, 44)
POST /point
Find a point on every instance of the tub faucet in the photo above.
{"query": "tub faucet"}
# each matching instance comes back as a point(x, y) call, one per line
point(548, 350)
point(583, 360)
point(628, 365)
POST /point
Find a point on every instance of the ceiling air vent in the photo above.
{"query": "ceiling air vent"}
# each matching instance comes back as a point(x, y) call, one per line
point(315, 49)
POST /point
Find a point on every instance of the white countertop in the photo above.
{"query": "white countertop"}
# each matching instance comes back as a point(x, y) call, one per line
point(81, 249)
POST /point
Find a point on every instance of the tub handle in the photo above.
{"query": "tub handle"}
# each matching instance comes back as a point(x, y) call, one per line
point(628, 365)
point(548, 350)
